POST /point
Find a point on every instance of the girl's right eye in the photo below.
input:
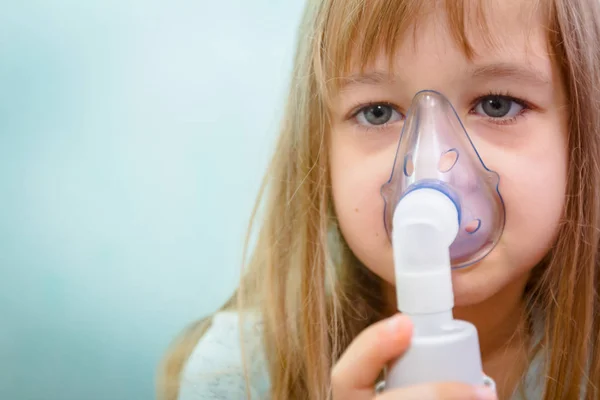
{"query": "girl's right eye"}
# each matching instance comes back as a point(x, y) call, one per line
point(375, 115)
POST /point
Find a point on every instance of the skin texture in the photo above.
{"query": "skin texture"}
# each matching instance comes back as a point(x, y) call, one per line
point(527, 151)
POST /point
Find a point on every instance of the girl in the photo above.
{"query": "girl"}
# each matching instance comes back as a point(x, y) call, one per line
point(315, 315)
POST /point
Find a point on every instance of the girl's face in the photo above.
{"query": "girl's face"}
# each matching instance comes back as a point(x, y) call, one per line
point(511, 103)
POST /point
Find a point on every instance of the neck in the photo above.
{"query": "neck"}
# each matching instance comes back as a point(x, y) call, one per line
point(500, 319)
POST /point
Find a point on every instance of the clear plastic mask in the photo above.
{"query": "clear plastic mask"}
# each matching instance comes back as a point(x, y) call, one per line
point(435, 151)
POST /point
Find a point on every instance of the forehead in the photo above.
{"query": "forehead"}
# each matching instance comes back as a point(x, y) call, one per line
point(514, 42)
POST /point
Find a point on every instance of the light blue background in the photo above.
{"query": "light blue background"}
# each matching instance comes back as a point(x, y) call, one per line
point(133, 136)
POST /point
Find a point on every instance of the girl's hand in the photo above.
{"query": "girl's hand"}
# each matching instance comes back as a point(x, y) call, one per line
point(355, 374)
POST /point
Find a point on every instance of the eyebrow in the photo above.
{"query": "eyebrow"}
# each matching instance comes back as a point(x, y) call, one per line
point(516, 72)
point(371, 78)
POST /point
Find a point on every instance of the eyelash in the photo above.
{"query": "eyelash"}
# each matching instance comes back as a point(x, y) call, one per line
point(498, 121)
point(360, 107)
point(506, 95)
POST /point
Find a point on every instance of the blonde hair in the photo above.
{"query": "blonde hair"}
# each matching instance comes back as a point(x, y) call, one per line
point(314, 296)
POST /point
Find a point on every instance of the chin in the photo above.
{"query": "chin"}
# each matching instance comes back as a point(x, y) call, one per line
point(472, 288)
point(486, 280)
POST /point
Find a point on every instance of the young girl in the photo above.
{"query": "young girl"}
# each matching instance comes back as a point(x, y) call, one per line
point(315, 315)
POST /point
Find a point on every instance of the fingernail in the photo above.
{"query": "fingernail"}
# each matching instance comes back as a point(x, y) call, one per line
point(485, 393)
point(394, 323)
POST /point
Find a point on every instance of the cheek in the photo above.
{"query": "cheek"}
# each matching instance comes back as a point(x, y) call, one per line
point(357, 174)
point(532, 184)
point(534, 206)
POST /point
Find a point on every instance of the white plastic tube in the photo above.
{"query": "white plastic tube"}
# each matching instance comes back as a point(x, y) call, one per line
point(425, 225)
point(442, 349)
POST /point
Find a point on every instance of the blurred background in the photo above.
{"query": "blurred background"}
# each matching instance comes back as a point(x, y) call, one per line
point(133, 137)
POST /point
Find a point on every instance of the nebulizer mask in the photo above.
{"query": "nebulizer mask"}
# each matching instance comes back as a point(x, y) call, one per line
point(443, 211)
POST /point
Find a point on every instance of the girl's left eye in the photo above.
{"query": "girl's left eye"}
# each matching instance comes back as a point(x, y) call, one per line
point(377, 115)
point(498, 107)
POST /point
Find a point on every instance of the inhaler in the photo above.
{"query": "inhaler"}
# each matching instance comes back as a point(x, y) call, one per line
point(443, 211)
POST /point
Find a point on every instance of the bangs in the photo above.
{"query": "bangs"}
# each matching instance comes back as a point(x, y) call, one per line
point(356, 32)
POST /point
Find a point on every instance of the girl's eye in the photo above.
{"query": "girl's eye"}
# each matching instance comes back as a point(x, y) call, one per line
point(377, 114)
point(498, 107)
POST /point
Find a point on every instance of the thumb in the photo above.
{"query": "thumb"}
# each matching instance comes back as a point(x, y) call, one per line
point(355, 373)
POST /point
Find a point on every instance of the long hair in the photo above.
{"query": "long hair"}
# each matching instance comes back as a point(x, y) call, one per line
point(312, 293)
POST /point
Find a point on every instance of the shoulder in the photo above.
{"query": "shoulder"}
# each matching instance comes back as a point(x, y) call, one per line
point(215, 368)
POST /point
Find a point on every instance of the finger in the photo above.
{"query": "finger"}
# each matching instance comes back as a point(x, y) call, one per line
point(367, 355)
point(440, 391)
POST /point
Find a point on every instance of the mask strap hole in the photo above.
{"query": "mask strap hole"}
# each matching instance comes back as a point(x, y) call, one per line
point(448, 160)
point(409, 166)
point(473, 226)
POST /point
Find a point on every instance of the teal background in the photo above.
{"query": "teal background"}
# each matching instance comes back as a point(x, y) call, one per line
point(133, 136)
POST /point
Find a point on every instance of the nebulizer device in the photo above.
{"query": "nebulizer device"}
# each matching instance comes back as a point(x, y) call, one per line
point(443, 211)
